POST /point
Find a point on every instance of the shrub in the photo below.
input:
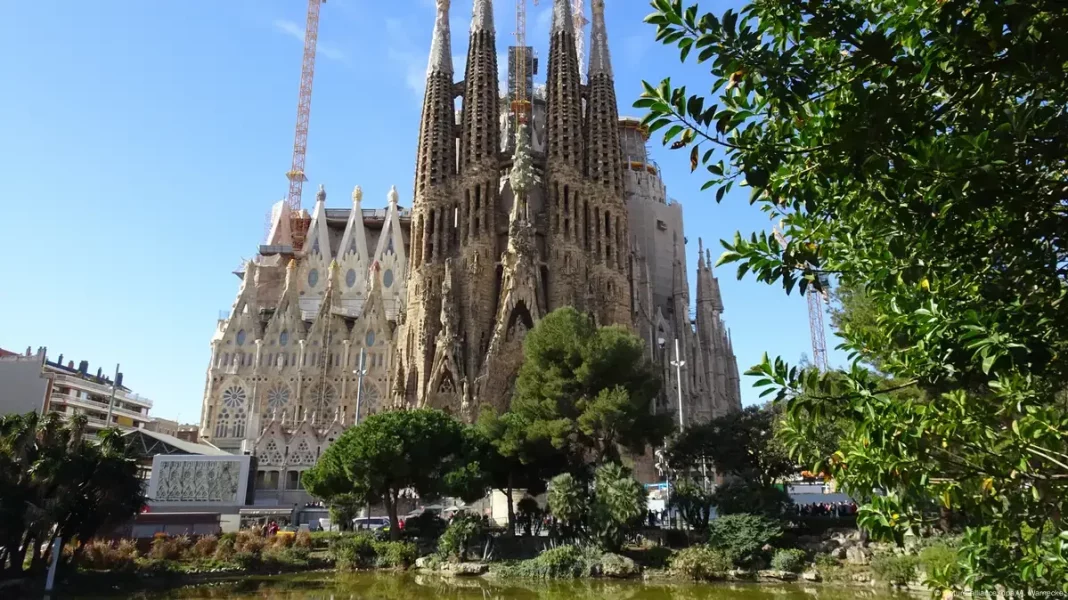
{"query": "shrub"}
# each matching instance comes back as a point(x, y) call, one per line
point(789, 559)
point(453, 543)
point(303, 539)
point(165, 548)
point(894, 569)
point(941, 564)
point(396, 554)
point(205, 547)
point(700, 562)
point(529, 515)
point(738, 496)
point(425, 525)
point(280, 541)
point(568, 502)
point(743, 537)
point(248, 541)
point(247, 560)
point(562, 562)
point(619, 506)
point(225, 550)
point(354, 552)
point(278, 557)
point(654, 557)
point(103, 555)
point(693, 503)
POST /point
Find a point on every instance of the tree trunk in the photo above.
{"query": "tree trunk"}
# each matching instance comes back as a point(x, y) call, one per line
point(511, 508)
point(390, 500)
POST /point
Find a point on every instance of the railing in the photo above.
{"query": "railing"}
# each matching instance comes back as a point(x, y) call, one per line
point(97, 405)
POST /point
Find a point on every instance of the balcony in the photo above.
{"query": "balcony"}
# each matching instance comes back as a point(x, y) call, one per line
point(78, 383)
point(70, 400)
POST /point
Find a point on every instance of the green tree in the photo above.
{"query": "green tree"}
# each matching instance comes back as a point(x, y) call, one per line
point(569, 503)
point(618, 507)
point(513, 459)
point(693, 502)
point(422, 450)
point(740, 444)
point(913, 150)
point(56, 483)
point(587, 389)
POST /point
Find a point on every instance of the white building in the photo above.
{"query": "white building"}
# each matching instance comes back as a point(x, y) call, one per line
point(69, 390)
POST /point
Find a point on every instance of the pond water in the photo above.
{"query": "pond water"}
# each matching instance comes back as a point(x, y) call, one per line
point(394, 586)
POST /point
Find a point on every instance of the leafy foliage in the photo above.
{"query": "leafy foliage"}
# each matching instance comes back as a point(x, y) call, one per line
point(619, 506)
point(701, 562)
point(530, 515)
point(894, 569)
point(458, 535)
point(586, 390)
point(569, 503)
point(57, 483)
point(693, 502)
point(788, 559)
point(353, 552)
point(561, 562)
point(912, 150)
point(942, 562)
point(742, 537)
point(740, 443)
point(423, 450)
point(738, 496)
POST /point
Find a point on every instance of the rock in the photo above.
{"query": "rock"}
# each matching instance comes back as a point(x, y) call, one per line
point(619, 567)
point(811, 575)
point(777, 575)
point(467, 569)
point(862, 577)
point(421, 562)
point(839, 553)
point(740, 574)
point(855, 555)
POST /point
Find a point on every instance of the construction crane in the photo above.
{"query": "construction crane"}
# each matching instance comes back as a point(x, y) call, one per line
point(815, 318)
point(296, 174)
point(520, 102)
point(578, 8)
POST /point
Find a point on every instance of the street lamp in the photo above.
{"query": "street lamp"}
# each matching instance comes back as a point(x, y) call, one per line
point(678, 363)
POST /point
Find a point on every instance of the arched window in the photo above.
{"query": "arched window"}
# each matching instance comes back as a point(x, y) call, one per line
point(222, 423)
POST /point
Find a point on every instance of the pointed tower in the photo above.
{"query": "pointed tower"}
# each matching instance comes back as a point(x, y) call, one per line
point(521, 302)
point(433, 213)
point(567, 214)
point(604, 190)
point(477, 193)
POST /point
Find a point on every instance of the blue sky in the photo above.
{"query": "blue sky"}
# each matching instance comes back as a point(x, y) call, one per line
point(144, 143)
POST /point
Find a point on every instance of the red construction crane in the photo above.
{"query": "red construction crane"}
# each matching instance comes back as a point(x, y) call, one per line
point(520, 102)
point(307, 75)
point(815, 318)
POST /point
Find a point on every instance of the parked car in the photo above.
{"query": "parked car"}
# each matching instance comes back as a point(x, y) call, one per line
point(371, 523)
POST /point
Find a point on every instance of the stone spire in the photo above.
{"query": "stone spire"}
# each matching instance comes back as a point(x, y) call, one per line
point(604, 160)
point(480, 132)
point(600, 59)
point(564, 99)
point(435, 158)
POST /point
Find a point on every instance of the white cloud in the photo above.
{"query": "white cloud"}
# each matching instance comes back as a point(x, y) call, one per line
point(296, 32)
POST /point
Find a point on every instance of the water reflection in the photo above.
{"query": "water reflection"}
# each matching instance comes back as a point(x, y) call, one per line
point(389, 586)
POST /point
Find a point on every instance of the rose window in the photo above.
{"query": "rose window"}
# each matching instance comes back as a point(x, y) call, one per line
point(233, 396)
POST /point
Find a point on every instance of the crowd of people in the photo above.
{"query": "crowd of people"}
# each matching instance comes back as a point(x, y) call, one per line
point(827, 509)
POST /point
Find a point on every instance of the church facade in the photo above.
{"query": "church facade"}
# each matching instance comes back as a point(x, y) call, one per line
point(519, 208)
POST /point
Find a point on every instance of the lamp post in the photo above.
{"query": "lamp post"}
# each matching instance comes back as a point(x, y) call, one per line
point(678, 363)
point(360, 372)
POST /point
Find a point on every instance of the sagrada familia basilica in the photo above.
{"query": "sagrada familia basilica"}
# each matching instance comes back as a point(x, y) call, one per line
point(516, 212)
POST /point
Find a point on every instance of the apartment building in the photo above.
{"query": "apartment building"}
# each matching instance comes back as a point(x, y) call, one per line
point(70, 390)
